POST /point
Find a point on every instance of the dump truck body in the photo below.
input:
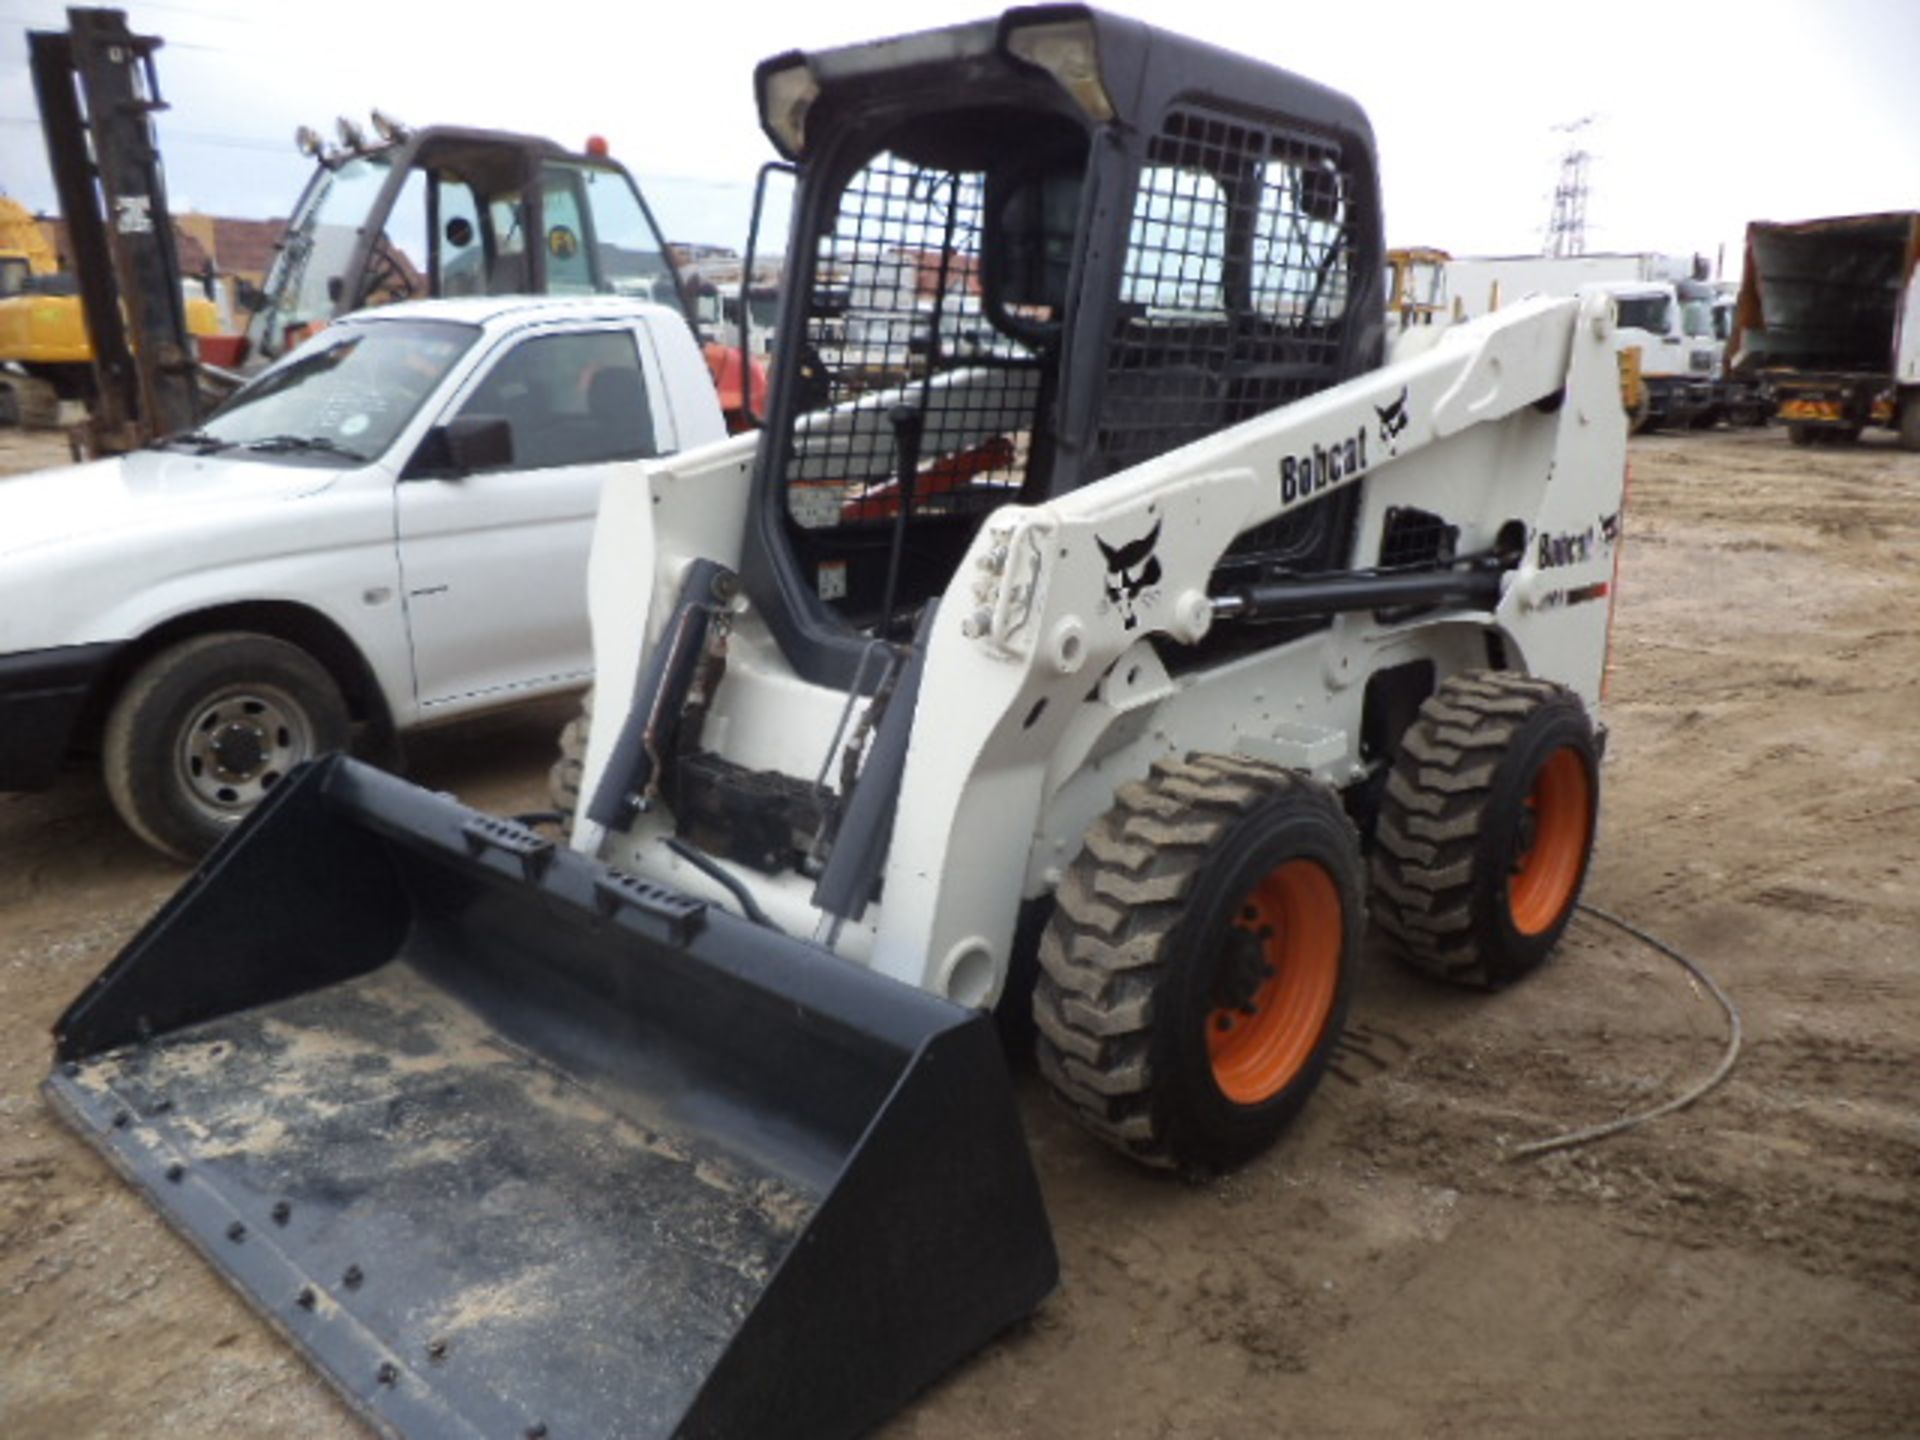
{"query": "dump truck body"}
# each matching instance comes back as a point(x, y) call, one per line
point(1829, 318)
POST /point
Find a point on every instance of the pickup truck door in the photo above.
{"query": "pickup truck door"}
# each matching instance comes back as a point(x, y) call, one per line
point(494, 564)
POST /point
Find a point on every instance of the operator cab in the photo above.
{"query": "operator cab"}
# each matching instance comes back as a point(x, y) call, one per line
point(447, 211)
point(1088, 245)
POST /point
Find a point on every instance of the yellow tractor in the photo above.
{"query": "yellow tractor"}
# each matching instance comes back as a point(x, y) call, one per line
point(45, 356)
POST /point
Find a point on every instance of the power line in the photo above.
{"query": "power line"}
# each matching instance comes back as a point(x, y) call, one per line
point(186, 137)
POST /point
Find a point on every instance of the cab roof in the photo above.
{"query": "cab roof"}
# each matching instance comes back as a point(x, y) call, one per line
point(1111, 68)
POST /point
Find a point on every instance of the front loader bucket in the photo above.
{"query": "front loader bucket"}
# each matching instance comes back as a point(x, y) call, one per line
point(513, 1145)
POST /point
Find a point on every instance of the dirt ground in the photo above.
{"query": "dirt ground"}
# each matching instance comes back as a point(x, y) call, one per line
point(1750, 1267)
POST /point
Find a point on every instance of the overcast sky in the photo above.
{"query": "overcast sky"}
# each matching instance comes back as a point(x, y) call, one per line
point(1708, 114)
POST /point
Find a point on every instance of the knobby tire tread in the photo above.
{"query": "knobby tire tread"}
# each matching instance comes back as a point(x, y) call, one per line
point(1106, 956)
point(1430, 825)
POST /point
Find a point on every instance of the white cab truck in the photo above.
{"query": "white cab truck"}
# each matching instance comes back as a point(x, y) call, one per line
point(1671, 326)
point(387, 529)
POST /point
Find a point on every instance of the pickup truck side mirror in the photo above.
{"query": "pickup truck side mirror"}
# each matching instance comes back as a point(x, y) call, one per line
point(461, 447)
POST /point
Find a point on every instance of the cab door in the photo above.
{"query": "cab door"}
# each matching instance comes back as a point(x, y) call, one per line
point(494, 563)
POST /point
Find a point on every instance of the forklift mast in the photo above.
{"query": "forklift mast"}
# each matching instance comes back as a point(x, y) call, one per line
point(97, 92)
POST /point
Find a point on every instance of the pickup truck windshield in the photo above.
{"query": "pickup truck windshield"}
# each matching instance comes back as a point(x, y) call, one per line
point(344, 395)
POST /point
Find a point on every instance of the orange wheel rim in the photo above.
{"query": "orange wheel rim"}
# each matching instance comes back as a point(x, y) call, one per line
point(1258, 1045)
point(1552, 853)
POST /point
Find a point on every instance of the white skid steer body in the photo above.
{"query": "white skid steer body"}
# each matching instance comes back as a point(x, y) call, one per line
point(1045, 686)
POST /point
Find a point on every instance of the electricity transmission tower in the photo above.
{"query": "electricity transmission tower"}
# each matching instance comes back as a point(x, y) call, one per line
point(1567, 224)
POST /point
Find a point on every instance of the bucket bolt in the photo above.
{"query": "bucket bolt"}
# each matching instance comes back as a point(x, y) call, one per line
point(175, 1171)
point(282, 1212)
point(236, 1232)
point(353, 1277)
point(436, 1349)
point(306, 1299)
point(387, 1373)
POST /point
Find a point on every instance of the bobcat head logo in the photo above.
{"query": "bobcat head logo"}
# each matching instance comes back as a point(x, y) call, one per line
point(1393, 418)
point(1132, 570)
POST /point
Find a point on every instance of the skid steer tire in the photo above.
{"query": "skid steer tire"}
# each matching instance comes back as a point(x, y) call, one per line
point(563, 779)
point(1195, 974)
point(1486, 827)
point(206, 727)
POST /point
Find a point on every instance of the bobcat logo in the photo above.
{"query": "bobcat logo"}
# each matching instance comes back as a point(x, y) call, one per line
point(1132, 570)
point(1393, 418)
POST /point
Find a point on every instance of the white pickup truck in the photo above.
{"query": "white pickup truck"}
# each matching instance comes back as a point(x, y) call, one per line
point(386, 530)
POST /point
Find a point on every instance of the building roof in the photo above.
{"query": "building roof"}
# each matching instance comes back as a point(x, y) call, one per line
point(247, 247)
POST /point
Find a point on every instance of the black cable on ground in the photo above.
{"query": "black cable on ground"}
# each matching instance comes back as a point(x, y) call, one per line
point(1613, 1127)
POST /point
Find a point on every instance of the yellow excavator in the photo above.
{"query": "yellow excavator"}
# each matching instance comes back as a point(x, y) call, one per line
point(27, 265)
point(45, 355)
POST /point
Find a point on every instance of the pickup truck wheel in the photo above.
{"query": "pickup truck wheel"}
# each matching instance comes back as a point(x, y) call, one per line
point(207, 727)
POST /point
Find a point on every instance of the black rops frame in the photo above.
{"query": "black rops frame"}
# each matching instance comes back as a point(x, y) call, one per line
point(767, 172)
point(1146, 74)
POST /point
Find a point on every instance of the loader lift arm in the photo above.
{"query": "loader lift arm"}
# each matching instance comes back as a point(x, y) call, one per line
point(1535, 386)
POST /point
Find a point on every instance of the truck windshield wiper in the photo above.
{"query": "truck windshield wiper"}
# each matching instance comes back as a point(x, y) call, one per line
point(303, 444)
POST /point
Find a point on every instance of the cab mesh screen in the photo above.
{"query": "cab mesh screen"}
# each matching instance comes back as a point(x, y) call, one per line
point(895, 315)
point(1233, 296)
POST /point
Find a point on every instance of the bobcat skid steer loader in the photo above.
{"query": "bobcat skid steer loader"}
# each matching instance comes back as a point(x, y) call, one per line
point(1094, 599)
